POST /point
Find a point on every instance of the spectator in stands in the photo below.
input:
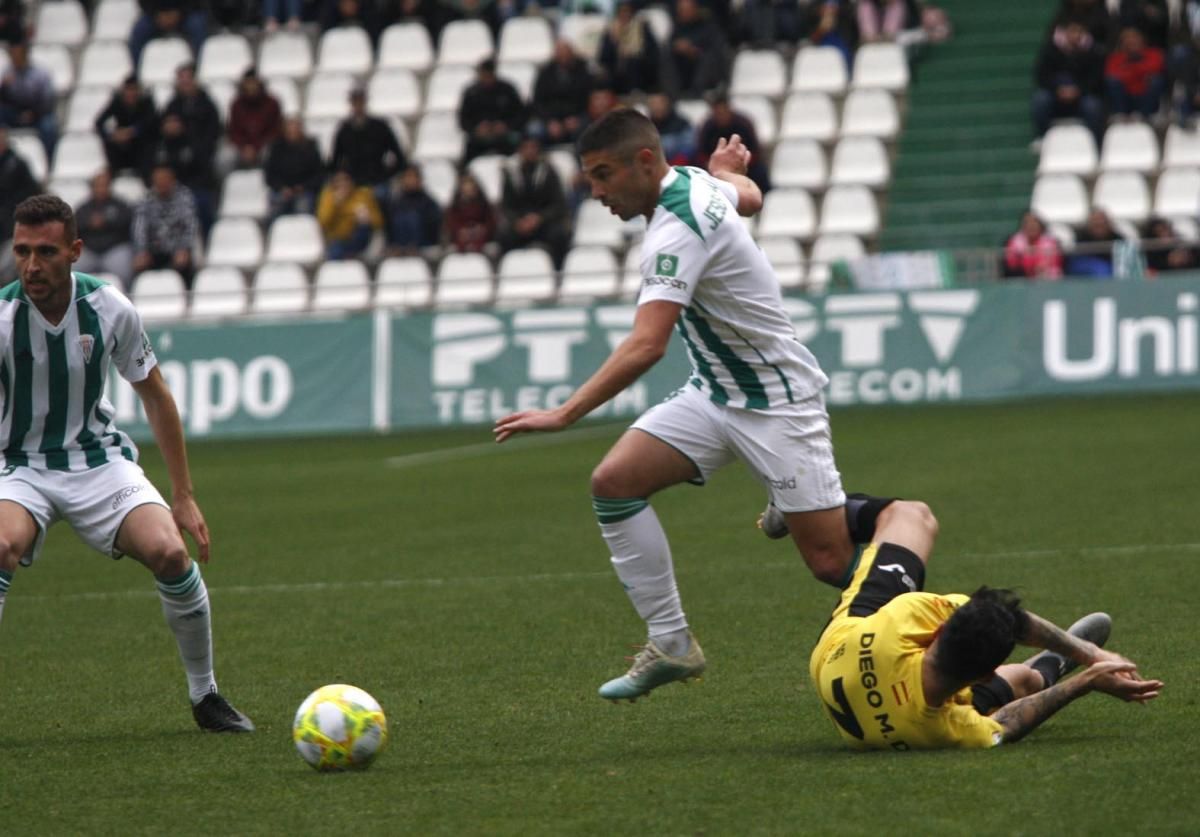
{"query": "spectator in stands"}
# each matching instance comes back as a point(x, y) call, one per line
point(367, 148)
point(255, 120)
point(1091, 14)
point(833, 23)
point(1093, 255)
point(883, 20)
point(1165, 251)
point(105, 226)
point(723, 122)
point(678, 135)
point(491, 114)
point(698, 51)
point(274, 11)
point(414, 219)
point(128, 127)
point(629, 54)
point(767, 23)
point(560, 95)
point(470, 220)
point(12, 21)
point(349, 215)
point(165, 226)
point(1031, 252)
point(1150, 17)
point(188, 137)
point(1070, 75)
point(187, 19)
point(1135, 76)
point(16, 184)
point(27, 97)
point(533, 207)
point(294, 171)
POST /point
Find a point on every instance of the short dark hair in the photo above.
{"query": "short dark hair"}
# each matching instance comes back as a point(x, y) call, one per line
point(46, 209)
point(980, 635)
point(622, 132)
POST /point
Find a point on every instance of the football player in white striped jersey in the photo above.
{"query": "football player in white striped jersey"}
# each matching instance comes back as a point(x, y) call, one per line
point(755, 392)
point(61, 456)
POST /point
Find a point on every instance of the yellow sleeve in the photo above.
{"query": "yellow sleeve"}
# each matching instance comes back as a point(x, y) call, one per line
point(964, 727)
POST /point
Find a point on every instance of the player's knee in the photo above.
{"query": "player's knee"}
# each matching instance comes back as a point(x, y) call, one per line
point(912, 513)
point(607, 481)
point(10, 554)
point(827, 563)
point(924, 517)
point(166, 557)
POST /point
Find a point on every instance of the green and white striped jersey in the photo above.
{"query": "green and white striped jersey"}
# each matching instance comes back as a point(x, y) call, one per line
point(56, 416)
point(698, 253)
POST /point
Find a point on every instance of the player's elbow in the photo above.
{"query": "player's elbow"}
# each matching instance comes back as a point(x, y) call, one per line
point(750, 202)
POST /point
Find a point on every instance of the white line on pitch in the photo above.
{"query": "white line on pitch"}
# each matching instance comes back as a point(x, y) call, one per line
point(459, 581)
point(461, 452)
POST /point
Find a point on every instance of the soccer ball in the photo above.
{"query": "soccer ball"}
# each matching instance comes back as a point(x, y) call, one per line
point(339, 727)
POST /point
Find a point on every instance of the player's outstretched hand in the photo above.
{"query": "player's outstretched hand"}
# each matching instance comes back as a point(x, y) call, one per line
point(1115, 678)
point(529, 421)
point(189, 519)
point(730, 155)
point(1104, 656)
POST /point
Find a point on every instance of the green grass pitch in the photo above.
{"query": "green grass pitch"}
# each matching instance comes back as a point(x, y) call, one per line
point(469, 591)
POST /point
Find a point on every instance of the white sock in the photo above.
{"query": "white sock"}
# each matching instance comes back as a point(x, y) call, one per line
point(642, 559)
point(185, 606)
point(5, 581)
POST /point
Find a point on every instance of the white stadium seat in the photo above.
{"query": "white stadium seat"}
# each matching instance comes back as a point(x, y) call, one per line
point(440, 176)
point(528, 39)
point(1060, 198)
point(328, 96)
point(285, 90)
point(589, 272)
point(222, 92)
point(861, 160)
point(406, 46)
point(55, 59)
point(114, 20)
point(566, 165)
point(849, 209)
point(235, 242)
point(445, 87)
point(786, 258)
point(465, 42)
point(219, 292)
point(584, 32)
point(129, 188)
point(341, 286)
point(439, 138)
point(488, 170)
point(104, 64)
point(880, 65)
point(74, 192)
point(1129, 147)
point(520, 74)
point(828, 249)
point(870, 113)
point(161, 58)
point(787, 212)
point(819, 69)
point(403, 283)
point(159, 295)
point(286, 54)
point(29, 148)
point(525, 275)
point(279, 289)
point(799, 163)
point(809, 116)
point(345, 49)
point(394, 92)
point(61, 22)
point(324, 131)
point(761, 112)
point(659, 21)
point(295, 238)
point(78, 155)
point(1186, 228)
point(1178, 193)
point(1123, 195)
point(463, 279)
point(224, 57)
point(595, 225)
point(1064, 234)
point(759, 73)
point(1068, 149)
point(1181, 147)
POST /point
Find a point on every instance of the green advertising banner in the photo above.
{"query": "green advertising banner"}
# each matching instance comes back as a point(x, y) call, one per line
point(387, 370)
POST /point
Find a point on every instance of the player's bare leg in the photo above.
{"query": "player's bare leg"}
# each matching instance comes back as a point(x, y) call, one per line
point(149, 535)
point(17, 534)
point(638, 466)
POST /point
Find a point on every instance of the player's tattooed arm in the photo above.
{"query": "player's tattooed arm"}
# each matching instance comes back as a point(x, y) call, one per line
point(1041, 633)
point(1022, 716)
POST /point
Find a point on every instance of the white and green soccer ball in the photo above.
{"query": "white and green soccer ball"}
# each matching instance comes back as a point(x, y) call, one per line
point(339, 727)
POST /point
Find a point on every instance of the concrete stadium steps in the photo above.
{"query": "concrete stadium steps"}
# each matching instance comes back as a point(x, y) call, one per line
point(963, 172)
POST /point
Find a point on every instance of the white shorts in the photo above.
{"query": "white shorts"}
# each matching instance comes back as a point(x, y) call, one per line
point(788, 448)
point(94, 502)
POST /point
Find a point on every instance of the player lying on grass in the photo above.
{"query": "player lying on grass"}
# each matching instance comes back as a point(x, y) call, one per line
point(62, 457)
point(902, 669)
point(755, 392)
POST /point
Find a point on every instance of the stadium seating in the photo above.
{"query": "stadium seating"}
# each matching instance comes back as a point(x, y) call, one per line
point(235, 242)
point(245, 195)
point(160, 295)
point(445, 87)
point(465, 42)
point(522, 75)
point(219, 292)
point(1123, 195)
point(786, 258)
point(488, 170)
point(1068, 149)
point(129, 188)
point(526, 39)
point(1060, 198)
point(631, 271)
point(870, 113)
point(583, 32)
point(341, 285)
point(438, 138)
point(809, 116)
point(463, 279)
point(759, 73)
point(345, 49)
point(161, 58)
point(295, 238)
point(328, 96)
point(285, 54)
point(762, 113)
point(406, 46)
point(1181, 147)
point(860, 160)
point(394, 92)
point(589, 272)
point(280, 288)
point(78, 155)
point(1177, 193)
point(819, 69)
point(61, 22)
point(828, 249)
point(1129, 147)
point(403, 283)
point(56, 60)
point(788, 213)
point(525, 276)
point(74, 192)
point(114, 19)
point(285, 90)
point(849, 209)
point(29, 148)
point(104, 64)
point(595, 225)
point(799, 163)
point(880, 65)
point(224, 57)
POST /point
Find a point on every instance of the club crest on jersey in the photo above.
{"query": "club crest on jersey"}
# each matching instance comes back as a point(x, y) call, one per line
point(86, 344)
point(666, 264)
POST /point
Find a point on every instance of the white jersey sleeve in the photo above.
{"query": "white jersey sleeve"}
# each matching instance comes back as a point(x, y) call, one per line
point(673, 261)
point(133, 355)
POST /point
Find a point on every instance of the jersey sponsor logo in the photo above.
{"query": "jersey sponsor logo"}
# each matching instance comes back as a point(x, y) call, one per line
point(716, 209)
point(86, 343)
point(677, 284)
point(905, 578)
point(124, 494)
point(666, 264)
